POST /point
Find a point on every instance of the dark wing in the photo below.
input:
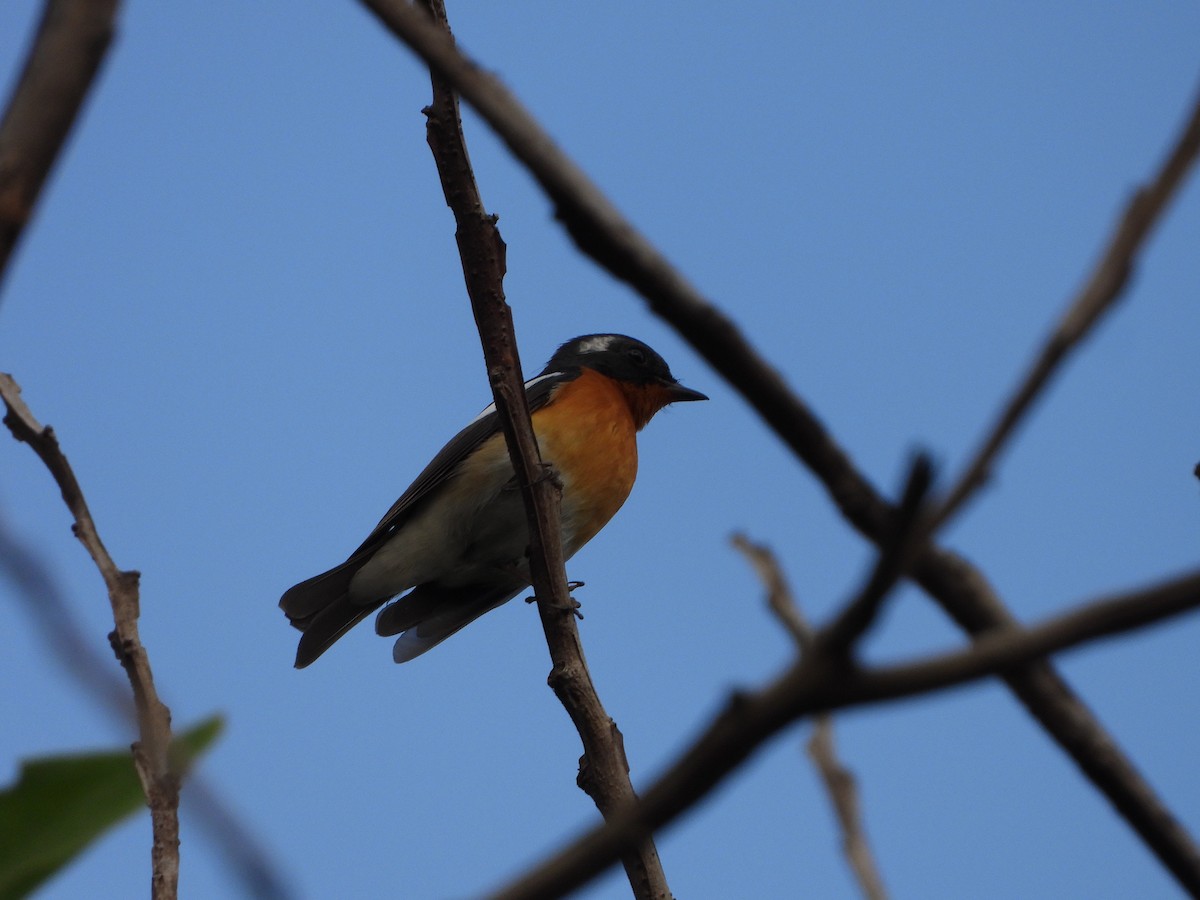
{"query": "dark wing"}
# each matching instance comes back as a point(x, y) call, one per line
point(537, 394)
point(311, 603)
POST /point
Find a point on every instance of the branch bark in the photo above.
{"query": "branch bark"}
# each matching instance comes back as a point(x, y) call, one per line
point(151, 752)
point(819, 684)
point(603, 768)
point(959, 588)
point(69, 47)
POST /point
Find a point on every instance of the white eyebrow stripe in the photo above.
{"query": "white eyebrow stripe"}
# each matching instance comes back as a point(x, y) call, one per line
point(491, 407)
point(597, 344)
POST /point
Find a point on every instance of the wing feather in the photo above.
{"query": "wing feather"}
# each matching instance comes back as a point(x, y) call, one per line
point(538, 392)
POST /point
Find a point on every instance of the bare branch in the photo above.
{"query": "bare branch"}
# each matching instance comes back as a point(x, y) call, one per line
point(838, 780)
point(843, 793)
point(779, 594)
point(151, 753)
point(604, 769)
point(817, 684)
point(67, 52)
point(1103, 288)
point(958, 587)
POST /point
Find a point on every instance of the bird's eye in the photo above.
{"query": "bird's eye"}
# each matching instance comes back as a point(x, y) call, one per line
point(637, 354)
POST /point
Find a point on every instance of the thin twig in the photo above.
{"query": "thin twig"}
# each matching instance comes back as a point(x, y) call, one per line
point(780, 599)
point(604, 769)
point(60, 68)
point(1104, 287)
point(842, 788)
point(839, 781)
point(151, 753)
point(958, 587)
point(816, 684)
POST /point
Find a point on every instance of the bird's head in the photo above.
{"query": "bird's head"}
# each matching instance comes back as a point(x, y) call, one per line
point(644, 376)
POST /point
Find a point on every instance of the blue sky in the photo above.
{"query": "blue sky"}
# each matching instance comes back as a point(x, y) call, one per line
point(241, 307)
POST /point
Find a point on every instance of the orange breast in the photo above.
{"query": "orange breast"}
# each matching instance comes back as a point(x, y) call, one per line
point(588, 433)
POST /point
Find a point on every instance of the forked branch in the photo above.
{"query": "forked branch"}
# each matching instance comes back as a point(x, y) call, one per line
point(818, 683)
point(839, 781)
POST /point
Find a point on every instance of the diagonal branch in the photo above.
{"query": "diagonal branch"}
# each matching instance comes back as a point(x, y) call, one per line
point(959, 588)
point(67, 51)
point(817, 684)
point(604, 769)
point(1101, 292)
point(151, 753)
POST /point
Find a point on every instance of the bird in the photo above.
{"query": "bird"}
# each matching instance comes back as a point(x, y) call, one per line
point(456, 540)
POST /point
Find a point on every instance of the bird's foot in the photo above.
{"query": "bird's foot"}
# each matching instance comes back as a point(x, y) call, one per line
point(572, 604)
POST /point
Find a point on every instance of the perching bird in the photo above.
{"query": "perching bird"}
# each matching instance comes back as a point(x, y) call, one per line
point(458, 535)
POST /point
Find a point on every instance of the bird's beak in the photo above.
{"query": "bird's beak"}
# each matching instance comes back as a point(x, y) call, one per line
point(678, 393)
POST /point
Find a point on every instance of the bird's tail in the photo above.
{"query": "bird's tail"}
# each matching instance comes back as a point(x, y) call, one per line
point(321, 608)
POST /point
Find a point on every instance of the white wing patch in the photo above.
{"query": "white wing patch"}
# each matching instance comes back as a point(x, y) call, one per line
point(597, 344)
point(491, 407)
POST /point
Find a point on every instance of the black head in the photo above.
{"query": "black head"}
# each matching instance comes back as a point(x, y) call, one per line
point(622, 358)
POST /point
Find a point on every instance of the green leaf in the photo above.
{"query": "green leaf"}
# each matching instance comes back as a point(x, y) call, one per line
point(60, 804)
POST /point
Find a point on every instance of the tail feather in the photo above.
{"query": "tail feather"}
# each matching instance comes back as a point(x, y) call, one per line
point(323, 628)
point(321, 607)
point(429, 614)
point(303, 601)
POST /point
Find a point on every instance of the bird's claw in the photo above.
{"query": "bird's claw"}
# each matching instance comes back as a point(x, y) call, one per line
point(572, 604)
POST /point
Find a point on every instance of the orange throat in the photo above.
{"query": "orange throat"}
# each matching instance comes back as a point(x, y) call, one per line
point(644, 401)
